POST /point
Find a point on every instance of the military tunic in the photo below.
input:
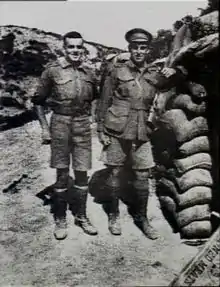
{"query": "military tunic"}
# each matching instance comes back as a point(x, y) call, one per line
point(126, 100)
point(127, 96)
point(69, 92)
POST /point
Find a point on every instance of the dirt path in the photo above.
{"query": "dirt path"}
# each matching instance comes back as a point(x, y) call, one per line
point(30, 256)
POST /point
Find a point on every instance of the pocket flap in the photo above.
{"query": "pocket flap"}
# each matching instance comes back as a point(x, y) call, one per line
point(62, 80)
point(119, 111)
point(124, 75)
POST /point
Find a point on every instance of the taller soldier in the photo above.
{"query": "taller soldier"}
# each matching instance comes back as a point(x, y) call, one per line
point(71, 87)
point(123, 127)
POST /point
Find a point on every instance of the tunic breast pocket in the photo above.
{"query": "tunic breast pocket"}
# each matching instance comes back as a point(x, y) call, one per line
point(125, 85)
point(64, 88)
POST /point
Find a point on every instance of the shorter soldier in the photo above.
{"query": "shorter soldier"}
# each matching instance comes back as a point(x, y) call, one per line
point(71, 87)
point(127, 95)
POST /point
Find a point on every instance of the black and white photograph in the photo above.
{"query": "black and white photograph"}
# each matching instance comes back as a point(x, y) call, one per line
point(109, 143)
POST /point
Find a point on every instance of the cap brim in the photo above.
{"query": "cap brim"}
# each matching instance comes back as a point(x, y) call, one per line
point(140, 41)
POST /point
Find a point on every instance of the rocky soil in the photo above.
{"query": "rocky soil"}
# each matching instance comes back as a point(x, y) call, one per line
point(30, 256)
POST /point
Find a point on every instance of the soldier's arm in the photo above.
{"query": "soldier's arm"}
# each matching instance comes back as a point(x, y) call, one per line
point(177, 73)
point(95, 86)
point(42, 93)
point(95, 95)
point(42, 117)
point(105, 98)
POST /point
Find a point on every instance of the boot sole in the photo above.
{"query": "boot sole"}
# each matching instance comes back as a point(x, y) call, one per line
point(151, 238)
point(60, 238)
point(115, 233)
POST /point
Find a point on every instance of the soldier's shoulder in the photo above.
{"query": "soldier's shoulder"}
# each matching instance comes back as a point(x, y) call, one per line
point(114, 69)
point(122, 57)
point(122, 65)
point(52, 65)
point(88, 68)
point(122, 68)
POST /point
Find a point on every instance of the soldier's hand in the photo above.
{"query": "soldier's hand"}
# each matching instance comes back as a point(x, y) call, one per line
point(168, 72)
point(150, 129)
point(45, 135)
point(104, 139)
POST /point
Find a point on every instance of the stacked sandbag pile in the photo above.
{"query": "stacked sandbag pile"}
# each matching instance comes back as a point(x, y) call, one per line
point(185, 182)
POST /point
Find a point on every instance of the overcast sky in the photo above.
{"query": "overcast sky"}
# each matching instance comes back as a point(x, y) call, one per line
point(103, 21)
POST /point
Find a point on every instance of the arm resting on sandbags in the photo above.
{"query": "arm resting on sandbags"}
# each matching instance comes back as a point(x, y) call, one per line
point(166, 89)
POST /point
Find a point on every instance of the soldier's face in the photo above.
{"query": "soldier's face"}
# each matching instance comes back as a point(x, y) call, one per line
point(74, 49)
point(138, 52)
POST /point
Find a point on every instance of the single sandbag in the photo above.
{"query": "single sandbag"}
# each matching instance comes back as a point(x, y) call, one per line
point(198, 160)
point(196, 90)
point(194, 213)
point(183, 129)
point(194, 128)
point(196, 230)
point(184, 102)
point(162, 99)
point(194, 177)
point(195, 195)
point(196, 145)
point(174, 118)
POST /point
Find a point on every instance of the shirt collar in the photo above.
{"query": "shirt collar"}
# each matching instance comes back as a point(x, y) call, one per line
point(63, 62)
point(66, 64)
point(133, 66)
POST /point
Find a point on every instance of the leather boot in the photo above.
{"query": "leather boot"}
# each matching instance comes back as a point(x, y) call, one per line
point(81, 218)
point(140, 217)
point(112, 209)
point(59, 212)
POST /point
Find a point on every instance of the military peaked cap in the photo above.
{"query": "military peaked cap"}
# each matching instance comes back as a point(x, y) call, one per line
point(138, 35)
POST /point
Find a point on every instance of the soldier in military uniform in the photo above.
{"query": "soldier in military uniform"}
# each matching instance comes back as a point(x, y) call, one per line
point(124, 128)
point(70, 87)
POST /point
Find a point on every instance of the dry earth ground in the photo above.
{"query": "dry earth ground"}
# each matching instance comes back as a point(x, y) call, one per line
point(30, 256)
